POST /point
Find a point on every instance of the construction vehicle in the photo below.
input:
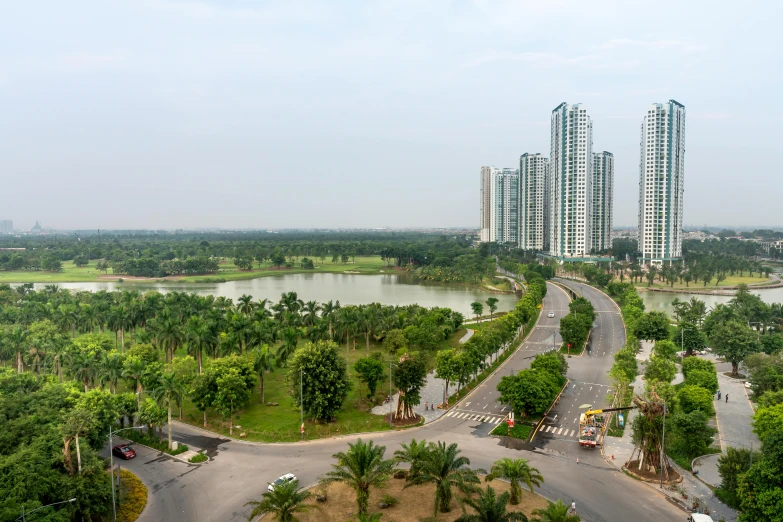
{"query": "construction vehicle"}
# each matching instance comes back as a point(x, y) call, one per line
point(590, 423)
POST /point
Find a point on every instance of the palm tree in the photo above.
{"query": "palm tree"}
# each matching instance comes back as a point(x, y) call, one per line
point(554, 512)
point(110, 369)
point(310, 313)
point(412, 454)
point(516, 471)
point(133, 371)
point(367, 318)
point(263, 363)
point(169, 333)
point(168, 391)
point(245, 304)
point(290, 338)
point(284, 501)
point(444, 467)
point(490, 508)
point(198, 335)
point(83, 367)
point(17, 340)
point(362, 467)
point(60, 353)
point(328, 313)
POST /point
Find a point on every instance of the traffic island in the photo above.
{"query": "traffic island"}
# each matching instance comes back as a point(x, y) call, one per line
point(132, 497)
point(646, 475)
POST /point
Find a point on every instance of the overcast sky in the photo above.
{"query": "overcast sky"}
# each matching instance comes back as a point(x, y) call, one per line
point(168, 114)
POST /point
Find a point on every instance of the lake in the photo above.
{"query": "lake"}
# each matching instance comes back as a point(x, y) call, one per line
point(662, 301)
point(388, 289)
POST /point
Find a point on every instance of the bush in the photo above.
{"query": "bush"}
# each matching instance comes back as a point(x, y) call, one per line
point(704, 379)
point(695, 363)
point(388, 501)
point(660, 369)
point(767, 421)
point(133, 499)
point(695, 398)
point(195, 459)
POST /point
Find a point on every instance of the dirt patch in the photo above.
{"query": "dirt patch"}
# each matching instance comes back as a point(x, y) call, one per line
point(413, 504)
point(651, 476)
point(401, 423)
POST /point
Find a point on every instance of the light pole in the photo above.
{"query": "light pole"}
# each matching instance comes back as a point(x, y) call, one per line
point(301, 400)
point(111, 466)
point(46, 506)
point(663, 442)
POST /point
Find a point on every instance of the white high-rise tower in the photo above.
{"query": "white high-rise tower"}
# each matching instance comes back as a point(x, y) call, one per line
point(661, 183)
point(504, 222)
point(570, 182)
point(603, 191)
point(486, 203)
point(533, 202)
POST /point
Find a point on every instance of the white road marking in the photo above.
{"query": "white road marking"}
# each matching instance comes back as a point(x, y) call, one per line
point(560, 430)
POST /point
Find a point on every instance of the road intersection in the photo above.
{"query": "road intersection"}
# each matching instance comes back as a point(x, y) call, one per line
point(240, 470)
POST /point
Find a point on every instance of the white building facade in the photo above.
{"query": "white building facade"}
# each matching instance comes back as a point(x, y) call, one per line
point(603, 193)
point(533, 202)
point(570, 182)
point(661, 183)
point(504, 220)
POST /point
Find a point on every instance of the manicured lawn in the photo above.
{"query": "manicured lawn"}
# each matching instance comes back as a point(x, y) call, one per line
point(281, 423)
point(729, 281)
point(70, 273)
point(521, 430)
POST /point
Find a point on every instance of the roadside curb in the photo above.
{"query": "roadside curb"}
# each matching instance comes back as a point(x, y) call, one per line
point(178, 456)
point(565, 386)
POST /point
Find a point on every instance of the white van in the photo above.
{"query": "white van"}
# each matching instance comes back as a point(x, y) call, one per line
point(698, 517)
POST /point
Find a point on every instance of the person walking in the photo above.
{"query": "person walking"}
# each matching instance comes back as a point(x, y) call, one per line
point(727, 397)
point(718, 394)
point(572, 511)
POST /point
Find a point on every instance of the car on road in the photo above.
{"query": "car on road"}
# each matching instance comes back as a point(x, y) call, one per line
point(698, 517)
point(550, 314)
point(123, 451)
point(288, 477)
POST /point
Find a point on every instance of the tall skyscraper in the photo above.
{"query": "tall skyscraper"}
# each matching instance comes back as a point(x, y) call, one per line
point(570, 189)
point(6, 226)
point(603, 189)
point(661, 183)
point(486, 203)
point(533, 202)
point(504, 220)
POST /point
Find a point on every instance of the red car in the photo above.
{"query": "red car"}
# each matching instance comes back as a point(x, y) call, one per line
point(123, 451)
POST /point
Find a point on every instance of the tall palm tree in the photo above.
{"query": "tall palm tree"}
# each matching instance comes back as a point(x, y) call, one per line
point(366, 323)
point(17, 340)
point(361, 467)
point(290, 339)
point(554, 512)
point(110, 369)
point(169, 333)
point(133, 370)
point(413, 454)
point(284, 502)
point(263, 363)
point(516, 471)
point(245, 304)
point(169, 391)
point(310, 313)
point(445, 468)
point(83, 367)
point(490, 507)
point(328, 313)
point(60, 353)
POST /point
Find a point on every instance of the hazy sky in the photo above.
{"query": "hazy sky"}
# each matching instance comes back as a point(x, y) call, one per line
point(164, 114)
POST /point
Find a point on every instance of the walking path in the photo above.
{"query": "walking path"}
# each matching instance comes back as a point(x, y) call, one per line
point(618, 451)
point(433, 392)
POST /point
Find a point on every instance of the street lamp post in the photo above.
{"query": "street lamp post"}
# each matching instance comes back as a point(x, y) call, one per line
point(24, 519)
point(111, 466)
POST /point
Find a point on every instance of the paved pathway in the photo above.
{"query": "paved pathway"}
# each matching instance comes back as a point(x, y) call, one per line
point(618, 451)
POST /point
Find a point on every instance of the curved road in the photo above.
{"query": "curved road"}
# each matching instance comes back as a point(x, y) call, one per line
point(240, 471)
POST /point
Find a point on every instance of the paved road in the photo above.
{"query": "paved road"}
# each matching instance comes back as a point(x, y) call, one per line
point(588, 374)
point(240, 470)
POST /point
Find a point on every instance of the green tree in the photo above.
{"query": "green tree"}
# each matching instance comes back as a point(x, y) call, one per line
point(652, 326)
point(263, 363)
point(552, 362)
point(690, 337)
point(169, 392)
point(395, 341)
point(492, 304)
point(489, 507)
point(444, 467)
point(529, 392)
point(232, 393)
point(284, 502)
point(516, 471)
point(660, 369)
point(477, 309)
point(554, 512)
point(731, 466)
point(370, 371)
point(693, 434)
point(704, 378)
point(412, 454)
point(361, 467)
point(696, 363)
point(767, 421)
point(326, 383)
point(692, 398)
point(665, 349)
point(409, 377)
point(734, 341)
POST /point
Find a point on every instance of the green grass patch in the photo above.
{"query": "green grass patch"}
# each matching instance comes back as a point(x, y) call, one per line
point(70, 273)
point(521, 430)
point(729, 281)
point(195, 459)
point(571, 351)
point(674, 452)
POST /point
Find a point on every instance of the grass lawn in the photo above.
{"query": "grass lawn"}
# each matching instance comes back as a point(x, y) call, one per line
point(227, 272)
point(729, 281)
point(412, 504)
point(281, 423)
point(70, 273)
point(521, 430)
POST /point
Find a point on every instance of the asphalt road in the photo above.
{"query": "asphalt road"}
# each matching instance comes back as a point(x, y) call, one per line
point(240, 471)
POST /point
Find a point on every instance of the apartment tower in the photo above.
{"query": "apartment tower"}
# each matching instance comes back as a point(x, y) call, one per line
point(603, 191)
point(661, 183)
point(533, 202)
point(486, 203)
point(570, 176)
point(504, 220)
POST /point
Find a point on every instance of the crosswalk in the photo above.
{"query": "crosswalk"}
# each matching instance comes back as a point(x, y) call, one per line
point(479, 417)
point(559, 431)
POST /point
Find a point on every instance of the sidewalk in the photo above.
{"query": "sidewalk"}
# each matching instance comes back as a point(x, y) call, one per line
point(432, 393)
point(617, 452)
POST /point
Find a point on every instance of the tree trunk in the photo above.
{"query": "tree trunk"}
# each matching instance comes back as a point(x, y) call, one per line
point(79, 455)
point(205, 417)
point(198, 357)
point(86, 386)
point(367, 337)
point(263, 400)
point(122, 340)
point(19, 362)
point(231, 420)
point(169, 426)
point(67, 460)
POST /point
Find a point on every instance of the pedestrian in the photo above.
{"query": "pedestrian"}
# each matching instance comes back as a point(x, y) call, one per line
point(573, 508)
point(426, 406)
point(718, 394)
point(727, 397)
